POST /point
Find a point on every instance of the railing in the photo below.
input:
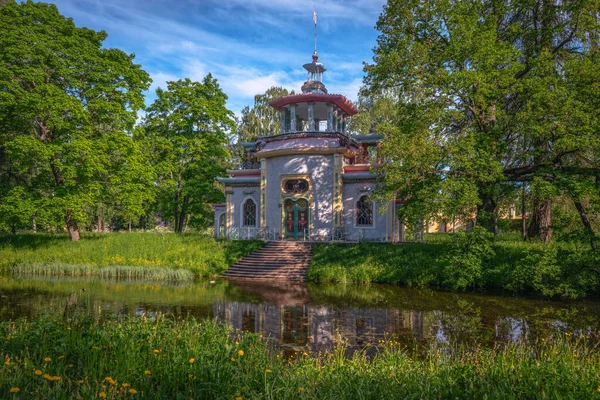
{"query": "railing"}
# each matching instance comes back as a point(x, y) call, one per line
point(250, 165)
point(337, 235)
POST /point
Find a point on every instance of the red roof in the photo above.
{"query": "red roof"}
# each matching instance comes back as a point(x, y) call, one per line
point(337, 99)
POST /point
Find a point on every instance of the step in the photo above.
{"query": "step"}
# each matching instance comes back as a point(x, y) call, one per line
point(265, 270)
point(270, 263)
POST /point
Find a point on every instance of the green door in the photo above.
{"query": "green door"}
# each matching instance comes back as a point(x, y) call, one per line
point(296, 219)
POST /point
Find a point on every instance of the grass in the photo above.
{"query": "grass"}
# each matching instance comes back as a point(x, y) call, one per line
point(140, 255)
point(72, 356)
point(556, 270)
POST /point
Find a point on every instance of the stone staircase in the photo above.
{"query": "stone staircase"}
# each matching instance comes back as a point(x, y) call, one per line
point(277, 261)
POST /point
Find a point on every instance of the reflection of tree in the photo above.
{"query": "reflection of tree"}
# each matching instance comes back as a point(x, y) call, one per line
point(464, 325)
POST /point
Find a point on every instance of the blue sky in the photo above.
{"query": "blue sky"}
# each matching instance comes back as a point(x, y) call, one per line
point(249, 45)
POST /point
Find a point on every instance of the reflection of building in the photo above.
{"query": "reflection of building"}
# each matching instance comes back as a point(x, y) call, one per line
point(319, 328)
point(313, 180)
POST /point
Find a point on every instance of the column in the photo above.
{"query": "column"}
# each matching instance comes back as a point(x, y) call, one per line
point(292, 118)
point(329, 117)
point(344, 117)
point(311, 117)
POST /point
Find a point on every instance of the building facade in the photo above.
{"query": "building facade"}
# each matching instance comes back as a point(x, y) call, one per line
point(313, 180)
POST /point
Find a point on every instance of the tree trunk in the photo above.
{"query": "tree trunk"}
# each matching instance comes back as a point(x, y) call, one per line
point(486, 212)
point(586, 224)
point(72, 226)
point(34, 222)
point(523, 211)
point(540, 221)
point(99, 222)
point(129, 226)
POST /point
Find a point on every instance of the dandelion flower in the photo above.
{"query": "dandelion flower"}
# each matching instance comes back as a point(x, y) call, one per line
point(268, 371)
point(7, 362)
point(126, 385)
point(192, 360)
point(47, 376)
point(240, 353)
point(80, 381)
point(110, 380)
point(300, 389)
point(61, 357)
point(147, 372)
point(239, 398)
point(38, 372)
point(156, 351)
point(47, 359)
point(102, 395)
point(232, 359)
point(132, 391)
point(15, 390)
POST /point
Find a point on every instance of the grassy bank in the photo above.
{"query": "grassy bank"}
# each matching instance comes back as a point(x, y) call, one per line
point(460, 263)
point(140, 255)
point(74, 357)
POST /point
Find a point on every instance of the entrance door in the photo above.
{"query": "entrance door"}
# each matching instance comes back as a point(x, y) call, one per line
point(296, 219)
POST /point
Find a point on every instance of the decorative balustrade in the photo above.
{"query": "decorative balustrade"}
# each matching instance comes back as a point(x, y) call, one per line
point(337, 235)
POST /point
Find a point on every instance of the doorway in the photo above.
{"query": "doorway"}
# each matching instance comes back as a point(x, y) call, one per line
point(296, 219)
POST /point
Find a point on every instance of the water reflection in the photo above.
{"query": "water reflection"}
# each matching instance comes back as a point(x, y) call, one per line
point(312, 318)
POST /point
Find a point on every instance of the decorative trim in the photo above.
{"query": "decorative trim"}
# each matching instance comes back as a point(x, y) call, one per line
point(309, 150)
point(256, 184)
point(263, 195)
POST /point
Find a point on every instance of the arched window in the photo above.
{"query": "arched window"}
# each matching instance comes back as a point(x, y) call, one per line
point(364, 211)
point(249, 213)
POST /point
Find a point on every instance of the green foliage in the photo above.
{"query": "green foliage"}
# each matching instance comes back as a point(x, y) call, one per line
point(66, 108)
point(186, 132)
point(462, 260)
point(487, 93)
point(465, 257)
point(53, 254)
point(166, 358)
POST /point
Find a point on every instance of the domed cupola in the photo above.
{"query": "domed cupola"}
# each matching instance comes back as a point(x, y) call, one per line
point(314, 83)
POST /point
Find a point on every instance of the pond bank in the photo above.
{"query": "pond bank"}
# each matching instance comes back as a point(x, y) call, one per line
point(74, 356)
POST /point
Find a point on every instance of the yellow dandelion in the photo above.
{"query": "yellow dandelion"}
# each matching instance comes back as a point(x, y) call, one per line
point(132, 391)
point(240, 353)
point(239, 398)
point(7, 362)
point(232, 359)
point(37, 372)
point(192, 360)
point(61, 357)
point(15, 390)
point(55, 378)
point(80, 381)
point(110, 380)
point(300, 389)
point(268, 371)
point(126, 385)
point(47, 376)
point(156, 351)
point(47, 359)
point(102, 395)
point(147, 372)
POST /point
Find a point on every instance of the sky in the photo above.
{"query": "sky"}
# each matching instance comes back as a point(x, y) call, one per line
point(248, 45)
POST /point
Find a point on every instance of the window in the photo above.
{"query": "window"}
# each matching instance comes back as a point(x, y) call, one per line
point(295, 186)
point(249, 210)
point(364, 211)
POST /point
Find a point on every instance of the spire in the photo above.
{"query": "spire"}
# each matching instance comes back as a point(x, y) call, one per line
point(314, 82)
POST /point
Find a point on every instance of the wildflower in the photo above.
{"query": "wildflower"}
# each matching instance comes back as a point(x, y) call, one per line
point(126, 385)
point(102, 395)
point(47, 359)
point(37, 372)
point(147, 372)
point(156, 351)
point(132, 391)
point(7, 362)
point(95, 347)
point(80, 381)
point(15, 390)
point(300, 389)
point(192, 360)
point(110, 380)
point(268, 371)
point(68, 328)
point(47, 376)
point(232, 359)
point(240, 353)
point(61, 357)
point(239, 398)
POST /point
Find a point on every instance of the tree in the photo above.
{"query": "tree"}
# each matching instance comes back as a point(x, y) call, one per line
point(490, 93)
point(186, 130)
point(64, 101)
point(260, 120)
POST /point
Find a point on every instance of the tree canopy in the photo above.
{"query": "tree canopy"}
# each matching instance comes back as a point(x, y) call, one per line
point(489, 95)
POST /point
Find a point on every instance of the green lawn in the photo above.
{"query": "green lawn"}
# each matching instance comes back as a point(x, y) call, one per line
point(71, 356)
point(144, 255)
point(558, 269)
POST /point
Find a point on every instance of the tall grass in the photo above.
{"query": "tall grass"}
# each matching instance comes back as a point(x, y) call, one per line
point(75, 357)
point(113, 271)
point(107, 254)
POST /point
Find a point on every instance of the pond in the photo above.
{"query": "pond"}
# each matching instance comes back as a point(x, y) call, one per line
point(312, 318)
